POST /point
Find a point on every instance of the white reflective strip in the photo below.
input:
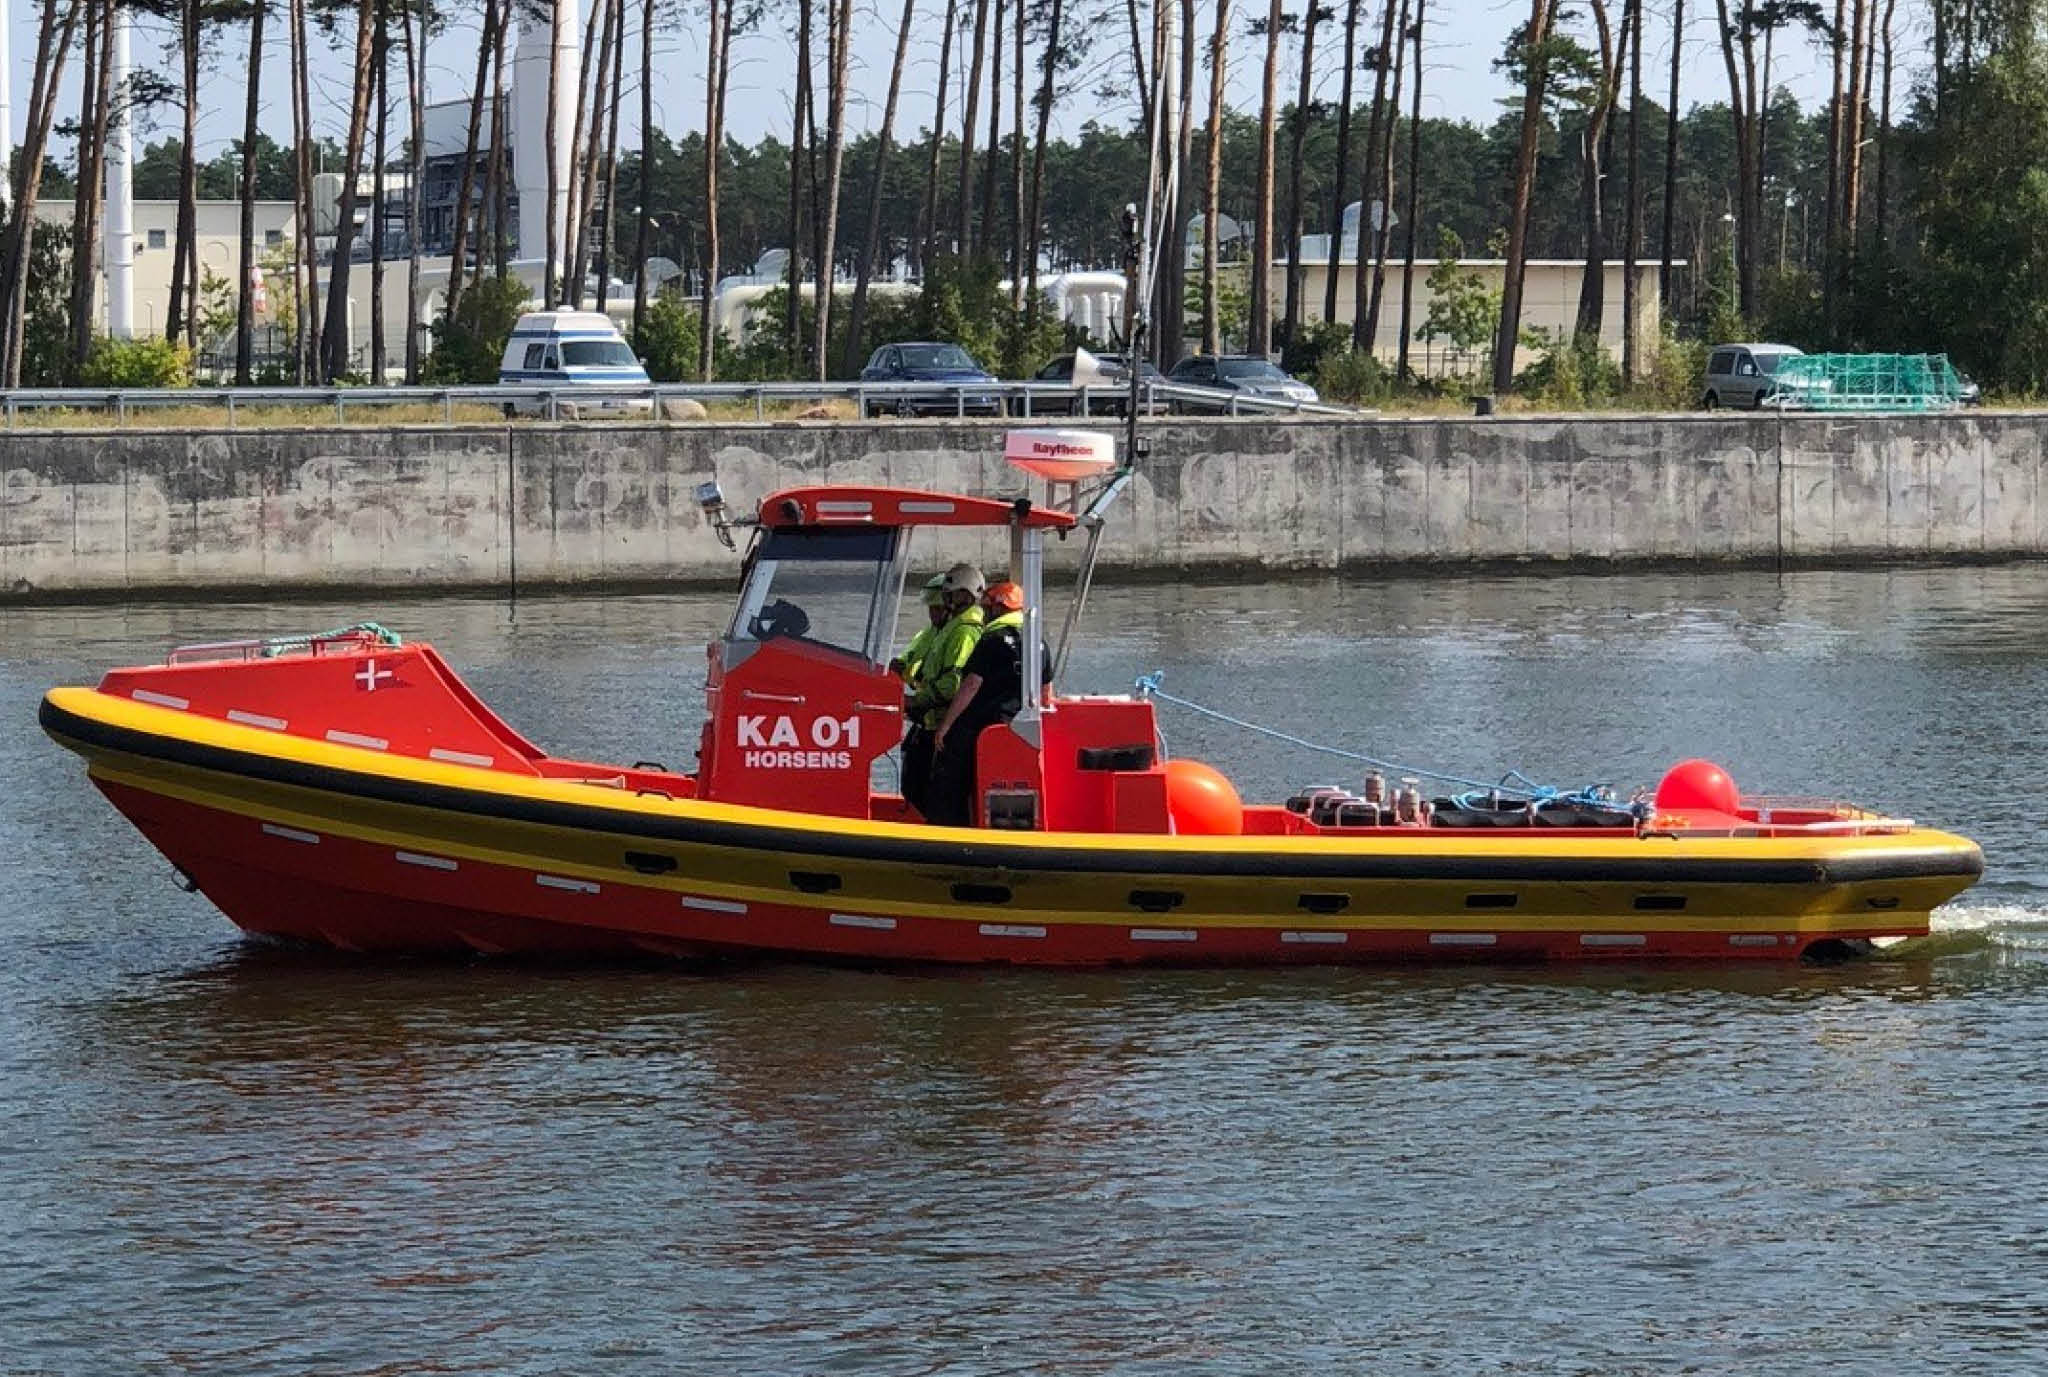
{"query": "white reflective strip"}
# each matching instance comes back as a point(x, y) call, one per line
point(713, 905)
point(1011, 930)
point(926, 508)
point(162, 700)
point(1750, 939)
point(1162, 934)
point(430, 862)
point(844, 508)
point(559, 882)
point(342, 738)
point(1333, 938)
point(290, 833)
point(256, 719)
point(1462, 939)
point(1612, 939)
point(861, 920)
point(461, 757)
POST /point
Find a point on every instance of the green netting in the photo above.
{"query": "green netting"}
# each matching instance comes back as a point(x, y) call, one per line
point(1868, 382)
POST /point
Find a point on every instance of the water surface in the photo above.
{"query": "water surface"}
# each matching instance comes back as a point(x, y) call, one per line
point(222, 1158)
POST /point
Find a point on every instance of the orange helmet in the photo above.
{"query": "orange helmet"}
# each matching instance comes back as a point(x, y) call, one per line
point(1005, 595)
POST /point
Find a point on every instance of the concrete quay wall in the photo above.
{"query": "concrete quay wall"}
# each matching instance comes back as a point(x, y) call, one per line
point(100, 512)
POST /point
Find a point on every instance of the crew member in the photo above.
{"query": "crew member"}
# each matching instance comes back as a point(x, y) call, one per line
point(916, 770)
point(945, 660)
point(991, 691)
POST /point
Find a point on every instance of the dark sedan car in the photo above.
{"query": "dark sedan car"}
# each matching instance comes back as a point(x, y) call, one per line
point(1245, 374)
point(929, 363)
point(1110, 398)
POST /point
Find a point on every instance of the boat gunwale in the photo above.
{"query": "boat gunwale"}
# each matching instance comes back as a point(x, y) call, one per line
point(1821, 862)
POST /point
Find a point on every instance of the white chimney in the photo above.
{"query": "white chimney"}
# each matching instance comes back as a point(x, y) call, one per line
point(530, 152)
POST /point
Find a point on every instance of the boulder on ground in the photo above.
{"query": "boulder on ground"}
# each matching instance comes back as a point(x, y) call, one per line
point(682, 409)
point(821, 412)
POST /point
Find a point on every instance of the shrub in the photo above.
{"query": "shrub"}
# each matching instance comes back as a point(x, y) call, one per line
point(140, 362)
point(1352, 375)
point(667, 339)
point(1570, 373)
point(469, 345)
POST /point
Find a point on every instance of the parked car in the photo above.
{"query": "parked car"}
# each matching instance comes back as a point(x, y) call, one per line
point(1967, 391)
point(1740, 374)
point(573, 349)
point(927, 362)
point(1245, 374)
point(1110, 398)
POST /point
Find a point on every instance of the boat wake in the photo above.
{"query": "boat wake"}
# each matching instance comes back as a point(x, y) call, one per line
point(1959, 929)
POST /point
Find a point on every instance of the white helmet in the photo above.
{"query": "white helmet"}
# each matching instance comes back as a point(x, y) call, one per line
point(965, 578)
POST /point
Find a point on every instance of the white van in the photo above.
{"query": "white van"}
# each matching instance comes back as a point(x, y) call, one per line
point(572, 350)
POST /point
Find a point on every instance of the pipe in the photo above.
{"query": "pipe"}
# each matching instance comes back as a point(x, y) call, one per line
point(119, 248)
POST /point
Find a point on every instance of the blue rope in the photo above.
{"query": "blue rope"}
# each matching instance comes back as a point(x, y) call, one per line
point(1513, 782)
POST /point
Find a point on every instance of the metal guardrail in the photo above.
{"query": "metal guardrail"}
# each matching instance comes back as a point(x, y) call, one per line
point(580, 401)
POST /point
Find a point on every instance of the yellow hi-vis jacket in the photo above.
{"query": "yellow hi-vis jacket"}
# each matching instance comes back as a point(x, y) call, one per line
point(939, 671)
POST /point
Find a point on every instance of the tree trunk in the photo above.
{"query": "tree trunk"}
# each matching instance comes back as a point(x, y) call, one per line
point(1632, 233)
point(793, 308)
point(1852, 132)
point(380, 61)
point(1742, 114)
point(337, 336)
point(1414, 197)
point(1017, 163)
point(1593, 278)
point(856, 316)
point(644, 214)
point(1541, 13)
point(1361, 335)
point(465, 188)
point(1884, 132)
point(306, 264)
point(1168, 338)
point(719, 69)
point(53, 45)
point(551, 266)
point(184, 302)
point(94, 91)
point(1032, 302)
point(500, 196)
point(415, 97)
point(577, 182)
point(607, 226)
point(1212, 183)
point(1665, 281)
point(1331, 271)
point(245, 296)
point(838, 41)
point(1384, 235)
point(1830, 270)
point(965, 243)
point(1297, 138)
point(984, 231)
point(1260, 335)
point(928, 216)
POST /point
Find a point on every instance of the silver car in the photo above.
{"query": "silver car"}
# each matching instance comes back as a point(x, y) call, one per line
point(1740, 374)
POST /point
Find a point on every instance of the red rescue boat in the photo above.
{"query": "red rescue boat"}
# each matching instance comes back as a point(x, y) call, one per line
point(349, 790)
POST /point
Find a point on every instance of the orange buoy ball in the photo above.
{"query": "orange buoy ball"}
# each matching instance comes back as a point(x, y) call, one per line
point(1697, 785)
point(1200, 801)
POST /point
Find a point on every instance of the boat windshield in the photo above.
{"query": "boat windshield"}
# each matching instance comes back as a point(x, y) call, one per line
point(836, 588)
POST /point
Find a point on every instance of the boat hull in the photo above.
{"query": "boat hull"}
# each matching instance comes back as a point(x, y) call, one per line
point(343, 847)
